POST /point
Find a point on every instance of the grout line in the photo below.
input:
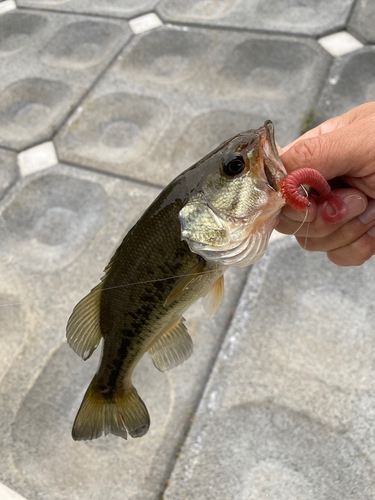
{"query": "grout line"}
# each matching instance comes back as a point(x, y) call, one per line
point(89, 14)
point(11, 150)
point(70, 113)
point(112, 174)
point(11, 186)
point(206, 380)
point(320, 91)
point(239, 29)
point(357, 34)
point(351, 10)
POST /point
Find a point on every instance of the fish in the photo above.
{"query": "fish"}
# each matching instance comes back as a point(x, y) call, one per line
point(218, 213)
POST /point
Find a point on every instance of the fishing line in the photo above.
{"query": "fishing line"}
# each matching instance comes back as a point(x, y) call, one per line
point(276, 244)
point(286, 370)
point(201, 273)
point(159, 279)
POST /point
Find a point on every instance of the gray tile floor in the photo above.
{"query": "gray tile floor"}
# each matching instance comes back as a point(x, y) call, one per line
point(278, 399)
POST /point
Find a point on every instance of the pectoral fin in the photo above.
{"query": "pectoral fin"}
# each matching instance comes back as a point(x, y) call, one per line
point(83, 330)
point(191, 278)
point(172, 348)
point(214, 297)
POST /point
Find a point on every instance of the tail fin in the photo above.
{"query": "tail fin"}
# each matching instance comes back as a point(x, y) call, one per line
point(116, 415)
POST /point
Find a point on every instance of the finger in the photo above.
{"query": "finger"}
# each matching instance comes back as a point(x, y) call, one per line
point(323, 128)
point(355, 253)
point(290, 219)
point(335, 123)
point(338, 153)
point(365, 183)
point(344, 235)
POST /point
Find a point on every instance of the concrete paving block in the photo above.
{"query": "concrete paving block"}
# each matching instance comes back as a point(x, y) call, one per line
point(340, 43)
point(59, 228)
point(288, 410)
point(7, 6)
point(47, 62)
point(286, 16)
point(37, 158)
point(8, 170)
point(175, 94)
point(351, 82)
point(8, 494)
point(114, 8)
point(362, 21)
point(145, 23)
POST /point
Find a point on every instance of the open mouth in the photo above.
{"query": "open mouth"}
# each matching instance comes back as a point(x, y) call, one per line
point(271, 179)
point(272, 171)
point(269, 126)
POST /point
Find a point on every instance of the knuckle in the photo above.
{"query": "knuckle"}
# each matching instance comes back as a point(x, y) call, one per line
point(306, 243)
point(320, 229)
point(354, 254)
point(340, 259)
point(306, 151)
point(361, 251)
point(351, 231)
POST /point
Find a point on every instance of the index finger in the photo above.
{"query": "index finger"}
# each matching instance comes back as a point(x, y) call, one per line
point(346, 151)
point(334, 123)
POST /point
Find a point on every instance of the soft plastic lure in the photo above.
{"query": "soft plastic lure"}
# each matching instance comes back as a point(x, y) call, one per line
point(313, 178)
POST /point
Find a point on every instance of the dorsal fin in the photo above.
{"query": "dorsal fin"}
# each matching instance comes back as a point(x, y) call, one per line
point(172, 348)
point(214, 297)
point(186, 282)
point(83, 329)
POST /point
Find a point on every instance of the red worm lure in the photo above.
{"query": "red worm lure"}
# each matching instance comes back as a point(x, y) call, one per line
point(313, 178)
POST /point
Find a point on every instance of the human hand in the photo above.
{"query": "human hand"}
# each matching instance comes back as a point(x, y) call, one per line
point(343, 151)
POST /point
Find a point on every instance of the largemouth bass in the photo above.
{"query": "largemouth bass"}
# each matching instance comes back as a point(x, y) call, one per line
point(218, 213)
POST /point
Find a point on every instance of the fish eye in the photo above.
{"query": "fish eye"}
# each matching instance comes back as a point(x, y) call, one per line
point(234, 166)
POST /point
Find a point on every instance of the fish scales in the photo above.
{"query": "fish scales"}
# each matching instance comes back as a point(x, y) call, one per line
point(143, 314)
point(218, 213)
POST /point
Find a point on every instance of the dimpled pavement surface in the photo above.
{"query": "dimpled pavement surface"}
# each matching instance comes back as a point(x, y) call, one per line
point(102, 104)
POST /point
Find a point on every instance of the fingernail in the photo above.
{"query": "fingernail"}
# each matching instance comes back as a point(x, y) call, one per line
point(369, 214)
point(355, 205)
point(371, 231)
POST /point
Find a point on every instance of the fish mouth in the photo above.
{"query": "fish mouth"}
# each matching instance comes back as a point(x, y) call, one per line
point(271, 180)
point(270, 135)
point(274, 170)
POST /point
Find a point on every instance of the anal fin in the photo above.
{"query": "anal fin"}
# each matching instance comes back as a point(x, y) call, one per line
point(214, 297)
point(83, 329)
point(172, 348)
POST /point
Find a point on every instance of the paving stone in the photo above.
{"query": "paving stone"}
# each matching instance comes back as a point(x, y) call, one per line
point(176, 93)
point(288, 411)
point(340, 43)
point(8, 494)
point(362, 22)
point(8, 170)
point(287, 16)
point(351, 82)
point(7, 6)
point(59, 228)
point(37, 158)
point(115, 8)
point(145, 23)
point(48, 61)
